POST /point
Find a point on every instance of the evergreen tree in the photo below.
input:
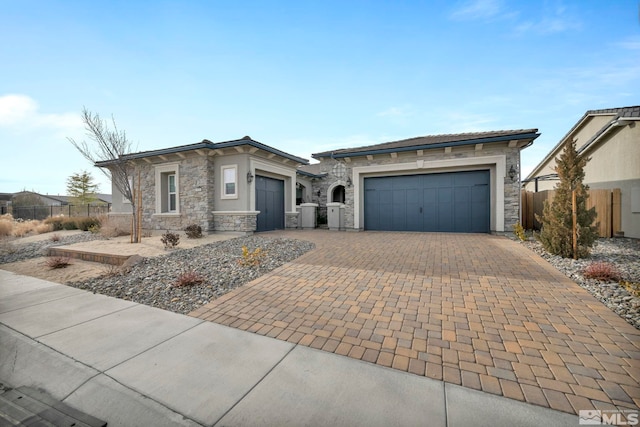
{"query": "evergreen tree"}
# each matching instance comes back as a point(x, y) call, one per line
point(556, 234)
point(81, 189)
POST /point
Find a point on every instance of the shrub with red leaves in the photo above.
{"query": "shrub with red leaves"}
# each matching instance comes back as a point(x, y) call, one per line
point(603, 271)
point(189, 278)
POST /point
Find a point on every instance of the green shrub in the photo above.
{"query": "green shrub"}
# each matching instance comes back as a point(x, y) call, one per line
point(69, 224)
point(87, 223)
point(56, 222)
point(193, 231)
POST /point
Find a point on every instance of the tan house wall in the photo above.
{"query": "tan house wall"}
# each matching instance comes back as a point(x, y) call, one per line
point(582, 135)
point(616, 159)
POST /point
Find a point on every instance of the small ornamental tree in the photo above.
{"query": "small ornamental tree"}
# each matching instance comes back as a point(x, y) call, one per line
point(556, 234)
point(109, 148)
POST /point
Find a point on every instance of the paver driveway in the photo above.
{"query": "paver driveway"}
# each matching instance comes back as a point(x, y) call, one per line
point(471, 309)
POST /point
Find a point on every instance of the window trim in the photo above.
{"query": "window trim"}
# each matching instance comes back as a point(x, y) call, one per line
point(163, 172)
point(223, 189)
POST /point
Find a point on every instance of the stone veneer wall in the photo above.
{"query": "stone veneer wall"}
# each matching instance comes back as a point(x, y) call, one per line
point(243, 221)
point(292, 219)
point(511, 188)
point(196, 193)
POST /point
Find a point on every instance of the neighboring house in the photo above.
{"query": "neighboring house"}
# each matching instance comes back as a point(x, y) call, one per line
point(461, 183)
point(5, 202)
point(444, 183)
point(611, 139)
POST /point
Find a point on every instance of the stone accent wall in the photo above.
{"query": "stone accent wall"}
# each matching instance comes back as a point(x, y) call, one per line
point(242, 221)
point(512, 191)
point(291, 219)
point(512, 197)
point(196, 192)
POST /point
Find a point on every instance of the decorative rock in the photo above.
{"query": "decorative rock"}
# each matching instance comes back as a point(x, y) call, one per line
point(151, 280)
point(623, 253)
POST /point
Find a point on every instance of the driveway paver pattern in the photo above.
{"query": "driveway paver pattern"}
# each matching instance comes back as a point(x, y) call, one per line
point(476, 310)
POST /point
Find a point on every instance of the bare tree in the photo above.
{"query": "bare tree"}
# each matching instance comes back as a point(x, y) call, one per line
point(108, 149)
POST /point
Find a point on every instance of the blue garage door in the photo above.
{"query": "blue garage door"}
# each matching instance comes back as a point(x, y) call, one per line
point(446, 202)
point(270, 203)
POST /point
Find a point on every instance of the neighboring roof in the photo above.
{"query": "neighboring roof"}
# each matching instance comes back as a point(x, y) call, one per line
point(6, 196)
point(108, 198)
point(206, 144)
point(433, 141)
point(618, 117)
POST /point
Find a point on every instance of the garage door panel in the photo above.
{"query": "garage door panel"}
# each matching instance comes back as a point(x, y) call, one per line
point(447, 202)
point(270, 203)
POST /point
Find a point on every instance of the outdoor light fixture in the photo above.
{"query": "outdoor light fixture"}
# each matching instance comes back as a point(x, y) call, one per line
point(512, 173)
point(349, 182)
point(249, 177)
point(319, 193)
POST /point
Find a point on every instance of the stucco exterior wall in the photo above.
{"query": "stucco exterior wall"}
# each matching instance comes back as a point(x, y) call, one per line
point(505, 194)
point(616, 159)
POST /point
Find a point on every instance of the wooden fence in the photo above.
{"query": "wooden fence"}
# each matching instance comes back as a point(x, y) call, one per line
point(606, 202)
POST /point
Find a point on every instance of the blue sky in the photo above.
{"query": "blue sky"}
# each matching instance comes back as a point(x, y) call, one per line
point(301, 76)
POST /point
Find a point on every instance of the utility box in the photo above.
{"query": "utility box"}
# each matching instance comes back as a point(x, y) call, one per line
point(308, 218)
point(335, 216)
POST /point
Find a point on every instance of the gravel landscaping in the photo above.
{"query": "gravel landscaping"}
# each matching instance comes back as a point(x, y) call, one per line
point(221, 266)
point(624, 254)
point(14, 252)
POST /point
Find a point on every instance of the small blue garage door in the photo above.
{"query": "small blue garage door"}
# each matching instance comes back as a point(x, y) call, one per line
point(270, 203)
point(445, 202)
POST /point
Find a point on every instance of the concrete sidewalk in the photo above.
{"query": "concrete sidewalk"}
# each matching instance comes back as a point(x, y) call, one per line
point(134, 365)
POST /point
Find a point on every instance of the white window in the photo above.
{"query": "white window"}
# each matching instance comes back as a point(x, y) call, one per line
point(230, 182)
point(167, 189)
point(171, 194)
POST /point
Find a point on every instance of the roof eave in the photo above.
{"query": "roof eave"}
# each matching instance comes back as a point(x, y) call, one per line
point(205, 145)
point(501, 138)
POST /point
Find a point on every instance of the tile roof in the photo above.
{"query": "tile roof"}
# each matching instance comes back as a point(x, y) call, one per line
point(436, 140)
point(619, 112)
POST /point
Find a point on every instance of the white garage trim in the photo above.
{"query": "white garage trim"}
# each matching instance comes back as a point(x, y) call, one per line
point(496, 165)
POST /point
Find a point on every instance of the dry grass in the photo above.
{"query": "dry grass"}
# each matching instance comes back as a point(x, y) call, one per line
point(20, 228)
point(6, 225)
point(43, 228)
point(113, 227)
point(112, 270)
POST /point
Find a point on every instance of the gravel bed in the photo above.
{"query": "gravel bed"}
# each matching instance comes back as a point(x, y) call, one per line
point(621, 252)
point(14, 252)
point(152, 280)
